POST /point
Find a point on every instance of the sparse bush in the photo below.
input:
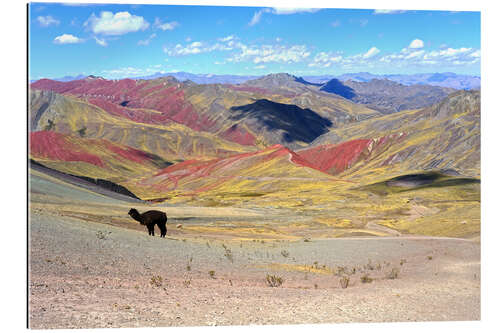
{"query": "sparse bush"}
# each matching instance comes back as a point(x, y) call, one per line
point(344, 281)
point(429, 257)
point(186, 283)
point(285, 253)
point(307, 240)
point(274, 281)
point(81, 131)
point(227, 253)
point(366, 279)
point(100, 235)
point(393, 274)
point(212, 274)
point(156, 281)
point(402, 262)
point(340, 270)
point(49, 126)
point(188, 265)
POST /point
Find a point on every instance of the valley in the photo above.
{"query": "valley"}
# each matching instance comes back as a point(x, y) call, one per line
point(274, 177)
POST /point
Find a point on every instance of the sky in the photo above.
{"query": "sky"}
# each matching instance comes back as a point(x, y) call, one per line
point(126, 40)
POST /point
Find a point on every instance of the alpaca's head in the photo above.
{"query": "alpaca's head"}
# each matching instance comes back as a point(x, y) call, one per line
point(133, 213)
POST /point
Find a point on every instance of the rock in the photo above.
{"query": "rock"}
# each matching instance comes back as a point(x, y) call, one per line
point(178, 226)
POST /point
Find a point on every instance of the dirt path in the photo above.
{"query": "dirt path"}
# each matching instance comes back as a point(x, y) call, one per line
point(380, 228)
point(85, 275)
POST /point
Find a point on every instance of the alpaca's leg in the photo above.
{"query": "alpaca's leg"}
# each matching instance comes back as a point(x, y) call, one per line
point(151, 230)
point(163, 229)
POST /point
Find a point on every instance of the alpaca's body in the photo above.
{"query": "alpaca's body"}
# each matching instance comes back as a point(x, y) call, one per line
point(149, 219)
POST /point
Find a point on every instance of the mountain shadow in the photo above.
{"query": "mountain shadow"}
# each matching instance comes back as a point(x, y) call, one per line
point(429, 179)
point(336, 87)
point(297, 124)
point(301, 80)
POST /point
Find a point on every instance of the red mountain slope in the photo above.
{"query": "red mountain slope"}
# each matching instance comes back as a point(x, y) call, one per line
point(336, 158)
point(55, 147)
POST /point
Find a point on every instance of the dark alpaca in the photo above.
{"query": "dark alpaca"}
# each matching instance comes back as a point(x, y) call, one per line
point(149, 219)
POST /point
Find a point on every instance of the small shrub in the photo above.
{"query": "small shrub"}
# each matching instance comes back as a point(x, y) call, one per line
point(341, 270)
point(274, 281)
point(81, 131)
point(393, 274)
point(186, 283)
point(285, 253)
point(366, 279)
point(429, 257)
point(212, 274)
point(156, 281)
point(402, 262)
point(227, 253)
point(344, 281)
point(307, 240)
point(49, 126)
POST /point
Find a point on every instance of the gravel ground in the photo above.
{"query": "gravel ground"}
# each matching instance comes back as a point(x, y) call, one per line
point(89, 275)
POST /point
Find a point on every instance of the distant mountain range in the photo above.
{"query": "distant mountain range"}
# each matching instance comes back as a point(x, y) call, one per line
point(448, 80)
point(274, 135)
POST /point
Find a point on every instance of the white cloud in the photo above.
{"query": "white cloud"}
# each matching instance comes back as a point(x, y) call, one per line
point(147, 40)
point(288, 11)
point(227, 44)
point(258, 54)
point(46, 21)
point(475, 54)
point(116, 24)
point(416, 44)
point(67, 39)
point(388, 11)
point(101, 42)
point(335, 24)
point(270, 53)
point(443, 57)
point(179, 50)
point(227, 39)
point(279, 11)
point(165, 26)
point(325, 59)
point(415, 54)
point(260, 67)
point(371, 52)
point(257, 15)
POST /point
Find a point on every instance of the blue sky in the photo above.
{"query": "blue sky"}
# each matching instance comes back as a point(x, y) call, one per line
point(118, 41)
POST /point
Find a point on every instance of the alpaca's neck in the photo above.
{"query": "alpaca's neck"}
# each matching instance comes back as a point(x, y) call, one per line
point(136, 216)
